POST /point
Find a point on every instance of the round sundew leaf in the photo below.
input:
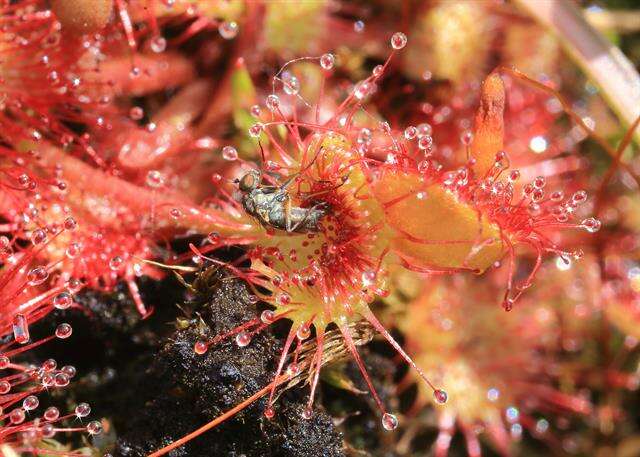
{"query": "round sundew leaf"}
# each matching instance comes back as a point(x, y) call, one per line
point(432, 225)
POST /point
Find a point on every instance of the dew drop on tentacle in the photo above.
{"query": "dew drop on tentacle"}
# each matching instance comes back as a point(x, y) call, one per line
point(5, 247)
point(228, 29)
point(398, 40)
point(61, 380)
point(20, 329)
point(410, 132)
point(269, 413)
point(48, 431)
point(70, 223)
point(303, 332)
point(537, 195)
point(466, 138)
point(389, 421)
point(512, 414)
point(63, 300)
point(64, 331)
point(115, 263)
point(284, 298)
point(327, 61)
point(273, 102)
point(30, 403)
point(291, 85)
point(38, 236)
point(136, 113)
point(94, 428)
point(37, 276)
point(591, 224)
point(4, 362)
point(425, 142)
point(538, 144)
point(214, 237)
point(158, 44)
point(200, 347)
point(424, 129)
point(556, 196)
point(5, 387)
point(155, 179)
point(362, 89)
point(539, 182)
point(72, 250)
point(243, 339)
point(17, 416)
point(424, 166)
point(47, 380)
point(82, 410)
point(256, 129)
point(75, 284)
point(364, 136)
point(542, 425)
point(307, 413)
point(267, 316)
point(385, 127)
point(49, 365)
point(579, 197)
point(440, 396)
point(69, 370)
point(51, 413)
point(229, 153)
point(24, 180)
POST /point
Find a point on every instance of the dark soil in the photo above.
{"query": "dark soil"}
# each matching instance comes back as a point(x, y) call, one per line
point(145, 379)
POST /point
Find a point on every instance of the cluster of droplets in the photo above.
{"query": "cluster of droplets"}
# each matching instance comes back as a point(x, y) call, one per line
point(421, 135)
point(75, 253)
point(30, 289)
point(496, 192)
point(555, 204)
point(20, 385)
point(523, 216)
point(36, 42)
point(28, 428)
point(45, 273)
point(367, 87)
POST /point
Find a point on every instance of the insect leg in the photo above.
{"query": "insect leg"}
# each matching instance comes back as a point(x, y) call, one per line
point(287, 214)
point(306, 216)
point(324, 191)
point(302, 170)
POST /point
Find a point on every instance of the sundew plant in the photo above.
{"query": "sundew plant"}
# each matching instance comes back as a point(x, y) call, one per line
point(271, 228)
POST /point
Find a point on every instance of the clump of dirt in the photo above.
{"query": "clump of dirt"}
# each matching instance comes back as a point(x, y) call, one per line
point(150, 387)
point(182, 390)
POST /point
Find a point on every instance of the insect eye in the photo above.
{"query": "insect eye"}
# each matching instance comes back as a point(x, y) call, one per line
point(247, 182)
